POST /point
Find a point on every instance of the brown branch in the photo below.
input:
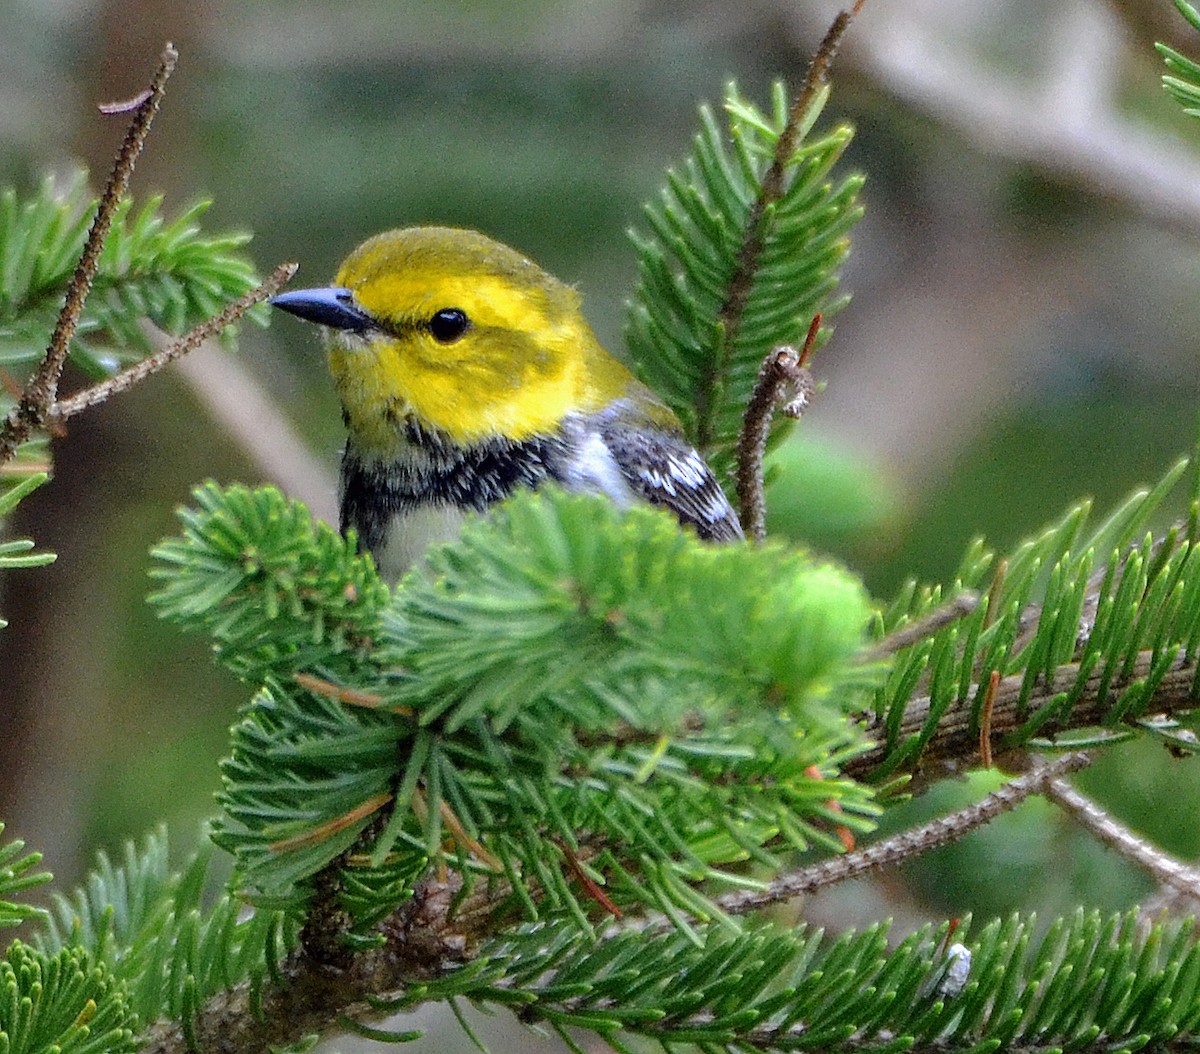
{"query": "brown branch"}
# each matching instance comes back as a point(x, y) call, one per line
point(127, 378)
point(782, 381)
point(955, 743)
point(903, 846)
point(423, 939)
point(33, 410)
point(771, 189)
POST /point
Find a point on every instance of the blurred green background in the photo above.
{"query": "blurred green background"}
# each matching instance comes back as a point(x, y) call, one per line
point(1023, 331)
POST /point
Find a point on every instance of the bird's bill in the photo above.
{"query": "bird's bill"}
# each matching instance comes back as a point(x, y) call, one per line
point(332, 306)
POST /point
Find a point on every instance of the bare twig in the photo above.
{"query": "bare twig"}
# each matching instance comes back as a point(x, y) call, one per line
point(33, 410)
point(1162, 867)
point(127, 378)
point(782, 381)
point(906, 845)
point(125, 105)
point(817, 76)
point(737, 291)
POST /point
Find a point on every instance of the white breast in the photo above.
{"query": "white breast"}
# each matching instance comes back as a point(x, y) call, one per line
point(409, 534)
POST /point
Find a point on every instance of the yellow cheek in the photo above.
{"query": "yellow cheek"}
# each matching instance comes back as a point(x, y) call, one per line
point(484, 397)
point(363, 375)
point(498, 380)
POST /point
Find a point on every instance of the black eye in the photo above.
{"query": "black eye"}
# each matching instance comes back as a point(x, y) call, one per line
point(448, 325)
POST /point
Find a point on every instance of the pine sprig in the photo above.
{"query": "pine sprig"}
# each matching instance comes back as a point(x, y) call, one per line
point(17, 877)
point(154, 931)
point(1090, 980)
point(545, 697)
point(64, 1002)
point(1101, 615)
point(690, 255)
point(168, 271)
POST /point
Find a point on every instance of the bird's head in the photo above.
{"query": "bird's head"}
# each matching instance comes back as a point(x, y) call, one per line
point(459, 333)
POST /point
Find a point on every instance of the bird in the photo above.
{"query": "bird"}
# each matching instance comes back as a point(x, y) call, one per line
point(464, 372)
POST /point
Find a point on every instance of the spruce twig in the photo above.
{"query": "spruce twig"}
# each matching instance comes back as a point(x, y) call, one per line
point(33, 410)
point(954, 745)
point(139, 371)
point(771, 189)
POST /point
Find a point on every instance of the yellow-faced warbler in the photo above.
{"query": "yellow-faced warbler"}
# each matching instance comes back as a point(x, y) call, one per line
point(465, 371)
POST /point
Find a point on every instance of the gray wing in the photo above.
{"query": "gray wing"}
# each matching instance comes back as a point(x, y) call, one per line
point(663, 468)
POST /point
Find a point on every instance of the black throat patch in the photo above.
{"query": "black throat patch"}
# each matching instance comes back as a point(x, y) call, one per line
point(434, 470)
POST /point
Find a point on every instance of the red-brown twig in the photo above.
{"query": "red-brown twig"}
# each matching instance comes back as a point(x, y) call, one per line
point(985, 720)
point(783, 381)
point(326, 830)
point(348, 696)
point(590, 885)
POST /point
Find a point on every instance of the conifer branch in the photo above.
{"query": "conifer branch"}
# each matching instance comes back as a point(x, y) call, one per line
point(771, 189)
point(33, 410)
point(718, 286)
point(955, 743)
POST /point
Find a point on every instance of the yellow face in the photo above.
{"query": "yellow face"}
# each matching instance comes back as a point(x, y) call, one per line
point(465, 336)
